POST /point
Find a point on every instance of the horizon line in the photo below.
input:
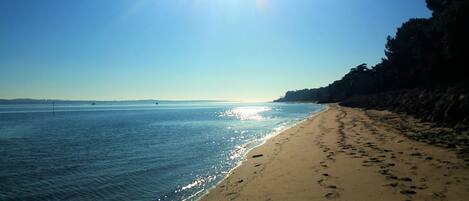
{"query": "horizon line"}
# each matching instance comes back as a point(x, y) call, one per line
point(124, 100)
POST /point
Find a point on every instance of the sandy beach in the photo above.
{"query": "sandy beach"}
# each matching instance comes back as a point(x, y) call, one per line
point(346, 154)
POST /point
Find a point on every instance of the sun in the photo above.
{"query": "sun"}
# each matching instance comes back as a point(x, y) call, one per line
point(262, 4)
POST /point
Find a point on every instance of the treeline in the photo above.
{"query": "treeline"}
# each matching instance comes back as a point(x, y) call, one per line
point(424, 53)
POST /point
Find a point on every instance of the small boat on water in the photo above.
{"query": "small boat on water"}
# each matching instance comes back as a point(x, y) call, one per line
point(93, 103)
point(156, 103)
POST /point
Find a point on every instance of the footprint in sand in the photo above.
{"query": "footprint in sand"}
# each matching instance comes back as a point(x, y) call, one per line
point(384, 172)
point(257, 155)
point(394, 184)
point(320, 181)
point(408, 192)
point(332, 195)
point(324, 165)
point(406, 179)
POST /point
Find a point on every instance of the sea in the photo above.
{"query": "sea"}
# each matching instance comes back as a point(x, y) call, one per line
point(174, 150)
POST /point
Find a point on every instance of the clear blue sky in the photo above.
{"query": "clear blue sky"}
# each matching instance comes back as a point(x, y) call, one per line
point(248, 50)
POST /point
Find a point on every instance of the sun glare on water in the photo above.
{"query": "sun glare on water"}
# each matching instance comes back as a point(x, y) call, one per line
point(246, 113)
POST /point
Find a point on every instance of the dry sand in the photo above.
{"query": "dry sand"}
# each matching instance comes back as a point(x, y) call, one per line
point(342, 154)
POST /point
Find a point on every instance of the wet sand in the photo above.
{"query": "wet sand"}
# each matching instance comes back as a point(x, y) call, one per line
point(345, 154)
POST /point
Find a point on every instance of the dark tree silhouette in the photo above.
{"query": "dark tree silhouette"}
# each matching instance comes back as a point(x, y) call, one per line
point(428, 54)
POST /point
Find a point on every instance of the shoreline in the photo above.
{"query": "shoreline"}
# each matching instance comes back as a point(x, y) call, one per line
point(318, 153)
point(267, 138)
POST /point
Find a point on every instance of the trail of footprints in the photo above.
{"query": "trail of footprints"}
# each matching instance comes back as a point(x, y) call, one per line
point(327, 181)
point(240, 182)
point(353, 145)
point(372, 155)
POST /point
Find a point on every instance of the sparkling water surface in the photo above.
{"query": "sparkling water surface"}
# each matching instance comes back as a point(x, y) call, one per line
point(125, 151)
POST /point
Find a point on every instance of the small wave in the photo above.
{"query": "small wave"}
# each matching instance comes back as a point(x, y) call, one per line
point(197, 182)
point(281, 127)
point(237, 152)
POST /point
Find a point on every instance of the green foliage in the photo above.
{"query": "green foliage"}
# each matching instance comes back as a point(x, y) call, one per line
point(424, 53)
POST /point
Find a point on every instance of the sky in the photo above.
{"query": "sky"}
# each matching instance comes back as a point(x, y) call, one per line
point(240, 50)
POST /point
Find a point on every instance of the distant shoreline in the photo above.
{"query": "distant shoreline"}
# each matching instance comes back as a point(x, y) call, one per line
point(63, 101)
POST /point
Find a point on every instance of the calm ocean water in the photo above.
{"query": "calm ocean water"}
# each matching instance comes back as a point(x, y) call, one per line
point(125, 151)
